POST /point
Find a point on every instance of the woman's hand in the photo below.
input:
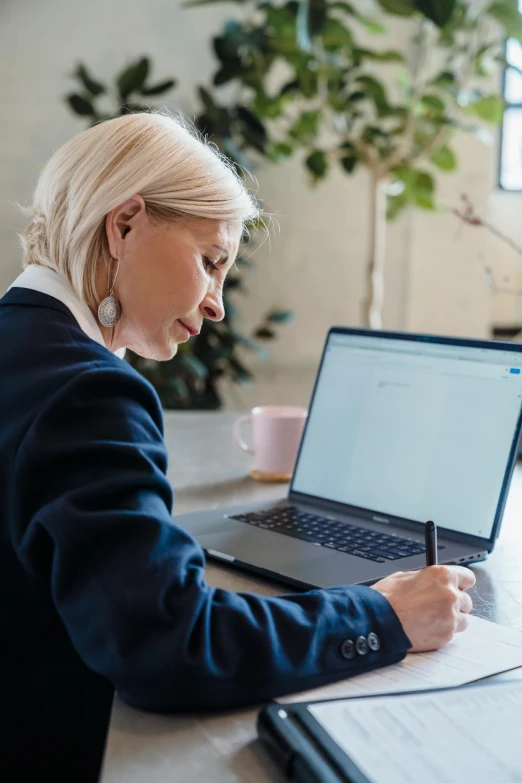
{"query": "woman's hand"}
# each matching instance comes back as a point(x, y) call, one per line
point(431, 604)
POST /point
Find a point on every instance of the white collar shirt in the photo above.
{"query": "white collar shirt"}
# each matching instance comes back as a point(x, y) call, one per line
point(47, 281)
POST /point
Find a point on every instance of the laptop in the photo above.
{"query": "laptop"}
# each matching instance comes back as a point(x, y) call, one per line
point(402, 428)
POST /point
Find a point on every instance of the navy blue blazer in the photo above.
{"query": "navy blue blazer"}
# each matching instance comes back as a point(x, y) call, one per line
point(100, 589)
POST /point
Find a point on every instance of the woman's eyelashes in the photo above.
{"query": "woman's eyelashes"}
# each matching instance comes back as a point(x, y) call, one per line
point(209, 264)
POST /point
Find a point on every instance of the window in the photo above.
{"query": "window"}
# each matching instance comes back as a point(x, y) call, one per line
point(511, 138)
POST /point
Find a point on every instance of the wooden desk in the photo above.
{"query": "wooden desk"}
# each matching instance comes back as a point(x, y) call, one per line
point(207, 469)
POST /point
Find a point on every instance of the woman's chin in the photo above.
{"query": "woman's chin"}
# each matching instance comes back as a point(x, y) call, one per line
point(157, 353)
point(165, 353)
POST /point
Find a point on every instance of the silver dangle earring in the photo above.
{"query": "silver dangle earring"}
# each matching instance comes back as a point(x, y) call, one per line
point(109, 311)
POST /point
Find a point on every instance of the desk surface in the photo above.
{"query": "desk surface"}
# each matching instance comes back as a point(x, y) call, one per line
point(207, 469)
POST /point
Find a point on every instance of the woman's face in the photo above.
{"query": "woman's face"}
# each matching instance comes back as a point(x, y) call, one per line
point(170, 277)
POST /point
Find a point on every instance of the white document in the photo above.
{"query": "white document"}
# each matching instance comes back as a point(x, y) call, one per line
point(482, 650)
point(450, 737)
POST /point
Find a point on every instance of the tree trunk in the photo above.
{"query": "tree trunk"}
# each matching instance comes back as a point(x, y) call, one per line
point(372, 314)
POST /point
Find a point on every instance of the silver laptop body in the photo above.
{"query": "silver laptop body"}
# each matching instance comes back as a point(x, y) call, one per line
point(402, 428)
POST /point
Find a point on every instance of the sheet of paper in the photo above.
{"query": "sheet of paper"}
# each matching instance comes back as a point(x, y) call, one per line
point(471, 734)
point(482, 650)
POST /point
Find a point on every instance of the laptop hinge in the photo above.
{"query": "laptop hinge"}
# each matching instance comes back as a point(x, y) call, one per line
point(390, 521)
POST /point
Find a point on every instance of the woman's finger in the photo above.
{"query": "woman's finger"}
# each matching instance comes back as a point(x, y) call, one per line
point(462, 622)
point(465, 603)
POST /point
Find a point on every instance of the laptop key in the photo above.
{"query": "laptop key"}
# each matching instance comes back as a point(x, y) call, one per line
point(383, 553)
point(302, 536)
point(334, 534)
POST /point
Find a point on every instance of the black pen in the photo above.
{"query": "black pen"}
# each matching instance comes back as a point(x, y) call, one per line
point(430, 534)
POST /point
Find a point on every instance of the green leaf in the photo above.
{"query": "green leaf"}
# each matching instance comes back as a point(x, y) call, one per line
point(280, 151)
point(374, 134)
point(422, 189)
point(509, 17)
point(226, 74)
point(280, 316)
point(375, 90)
point(179, 387)
point(445, 159)
point(93, 87)
point(134, 77)
point(253, 130)
point(349, 158)
point(80, 105)
point(434, 104)
point(289, 87)
point(388, 56)
point(159, 88)
point(265, 106)
point(308, 81)
point(373, 27)
point(226, 48)
point(419, 189)
point(311, 16)
point(281, 19)
point(398, 7)
point(490, 108)
point(484, 60)
point(439, 11)
point(195, 366)
point(240, 372)
point(306, 127)
point(250, 119)
point(284, 46)
point(445, 79)
point(335, 35)
point(317, 164)
point(264, 333)
point(207, 100)
point(395, 205)
point(349, 162)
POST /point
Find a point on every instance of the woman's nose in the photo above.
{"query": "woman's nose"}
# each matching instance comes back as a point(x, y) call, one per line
point(213, 308)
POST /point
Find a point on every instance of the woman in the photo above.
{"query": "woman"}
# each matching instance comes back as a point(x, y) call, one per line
point(135, 224)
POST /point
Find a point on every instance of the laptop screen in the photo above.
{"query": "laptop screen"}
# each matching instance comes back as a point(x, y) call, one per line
point(413, 429)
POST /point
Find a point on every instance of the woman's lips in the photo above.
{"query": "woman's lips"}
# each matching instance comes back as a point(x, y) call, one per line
point(191, 331)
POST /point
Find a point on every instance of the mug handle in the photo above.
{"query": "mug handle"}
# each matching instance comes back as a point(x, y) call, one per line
point(237, 433)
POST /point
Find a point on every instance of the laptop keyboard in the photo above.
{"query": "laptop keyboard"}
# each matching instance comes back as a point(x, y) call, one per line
point(324, 531)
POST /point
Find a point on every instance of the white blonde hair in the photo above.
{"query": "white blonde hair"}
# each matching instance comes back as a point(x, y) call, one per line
point(160, 157)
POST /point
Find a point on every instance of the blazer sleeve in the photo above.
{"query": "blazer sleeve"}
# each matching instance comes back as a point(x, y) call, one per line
point(92, 521)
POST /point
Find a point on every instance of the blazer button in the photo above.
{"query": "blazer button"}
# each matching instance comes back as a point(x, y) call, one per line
point(374, 643)
point(348, 649)
point(361, 645)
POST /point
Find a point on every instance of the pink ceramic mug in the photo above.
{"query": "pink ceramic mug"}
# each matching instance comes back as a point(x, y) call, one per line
point(276, 435)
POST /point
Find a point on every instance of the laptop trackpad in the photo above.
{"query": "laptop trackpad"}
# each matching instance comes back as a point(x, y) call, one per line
point(261, 547)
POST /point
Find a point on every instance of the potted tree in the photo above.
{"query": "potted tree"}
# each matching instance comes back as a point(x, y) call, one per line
point(305, 84)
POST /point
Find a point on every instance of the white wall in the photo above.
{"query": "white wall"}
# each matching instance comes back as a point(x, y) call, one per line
point(316, 264)
point(506, 216)
point(447, 289)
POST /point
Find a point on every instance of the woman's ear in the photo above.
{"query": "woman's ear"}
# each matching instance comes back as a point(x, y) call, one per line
point(121, 220)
